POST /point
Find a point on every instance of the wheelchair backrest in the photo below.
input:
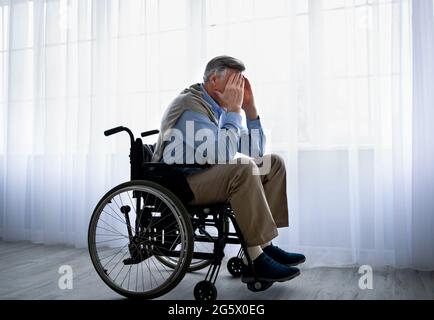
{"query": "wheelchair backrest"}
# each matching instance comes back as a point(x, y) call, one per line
point(148, 152)
point(165, 175)
point(140, 154)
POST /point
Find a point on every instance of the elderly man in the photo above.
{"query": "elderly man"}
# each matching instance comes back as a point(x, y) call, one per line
point(214, 110)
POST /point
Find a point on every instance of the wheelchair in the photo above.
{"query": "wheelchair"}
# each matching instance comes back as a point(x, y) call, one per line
point(144, 236)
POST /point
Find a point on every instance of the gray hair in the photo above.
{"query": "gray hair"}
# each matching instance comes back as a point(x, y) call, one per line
point(219, 66)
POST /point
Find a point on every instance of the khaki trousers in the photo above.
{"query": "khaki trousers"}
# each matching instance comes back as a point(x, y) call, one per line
point(259, 201)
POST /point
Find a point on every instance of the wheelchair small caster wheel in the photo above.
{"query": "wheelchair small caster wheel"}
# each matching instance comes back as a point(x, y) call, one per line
point(259, 286)
point(205, 291)
point(235, 266)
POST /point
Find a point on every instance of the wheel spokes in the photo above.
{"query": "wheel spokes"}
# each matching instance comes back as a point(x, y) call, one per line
point(126, 251)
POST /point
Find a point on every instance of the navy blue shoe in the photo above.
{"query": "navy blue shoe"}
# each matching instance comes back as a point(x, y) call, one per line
point(268, 270)
point(283, 257)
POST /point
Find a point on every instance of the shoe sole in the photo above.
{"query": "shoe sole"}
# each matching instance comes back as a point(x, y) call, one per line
point(296, 264)
point(252, 279)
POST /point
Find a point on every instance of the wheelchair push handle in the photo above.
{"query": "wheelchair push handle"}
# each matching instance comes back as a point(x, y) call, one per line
point(113, 131)
point(149, 133)
point(120, 129)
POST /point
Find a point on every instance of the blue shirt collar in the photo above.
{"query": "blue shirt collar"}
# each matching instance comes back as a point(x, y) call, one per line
point(214, 105)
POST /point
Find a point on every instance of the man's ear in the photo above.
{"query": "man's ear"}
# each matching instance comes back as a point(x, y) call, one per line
point(213, 80)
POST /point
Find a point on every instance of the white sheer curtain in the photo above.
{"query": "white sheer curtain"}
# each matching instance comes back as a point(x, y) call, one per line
point(72, 69)
point(423, 133)
point(333, 82)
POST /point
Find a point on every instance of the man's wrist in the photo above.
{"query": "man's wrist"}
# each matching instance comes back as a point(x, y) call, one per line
point(254, 124)
point(234, 109)
point(235, 119)
point(252, 115)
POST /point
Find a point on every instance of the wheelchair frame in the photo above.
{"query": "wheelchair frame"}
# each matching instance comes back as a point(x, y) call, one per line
point(216, 215)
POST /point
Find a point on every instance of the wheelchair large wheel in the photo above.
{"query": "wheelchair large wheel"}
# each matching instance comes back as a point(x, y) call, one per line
point(132, 227)
point(199, 246)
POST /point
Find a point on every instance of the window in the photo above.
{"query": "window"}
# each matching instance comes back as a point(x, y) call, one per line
point(331, 62)
point(326, 67)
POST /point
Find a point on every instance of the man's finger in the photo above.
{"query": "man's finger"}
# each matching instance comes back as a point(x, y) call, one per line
point(246, 82)
point(218, 94)
point(235, 79)
point(240, 80)
point(243, 83)
point(232, 78)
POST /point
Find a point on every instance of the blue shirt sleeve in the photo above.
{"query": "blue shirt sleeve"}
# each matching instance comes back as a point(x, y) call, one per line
point(253, 139)
point(193, 125)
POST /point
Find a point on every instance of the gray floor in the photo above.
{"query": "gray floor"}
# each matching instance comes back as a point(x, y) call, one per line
point(29, 271)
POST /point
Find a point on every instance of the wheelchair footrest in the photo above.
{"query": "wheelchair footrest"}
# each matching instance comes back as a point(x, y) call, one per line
point(136, 260)
point(259, 286)
point(137, 256)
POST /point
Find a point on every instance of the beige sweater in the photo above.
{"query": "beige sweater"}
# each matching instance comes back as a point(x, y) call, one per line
point(189, 99)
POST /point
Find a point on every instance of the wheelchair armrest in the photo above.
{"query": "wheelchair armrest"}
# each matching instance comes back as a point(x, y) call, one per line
point(176, 166)
point(191, 166)
point(169, 177)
